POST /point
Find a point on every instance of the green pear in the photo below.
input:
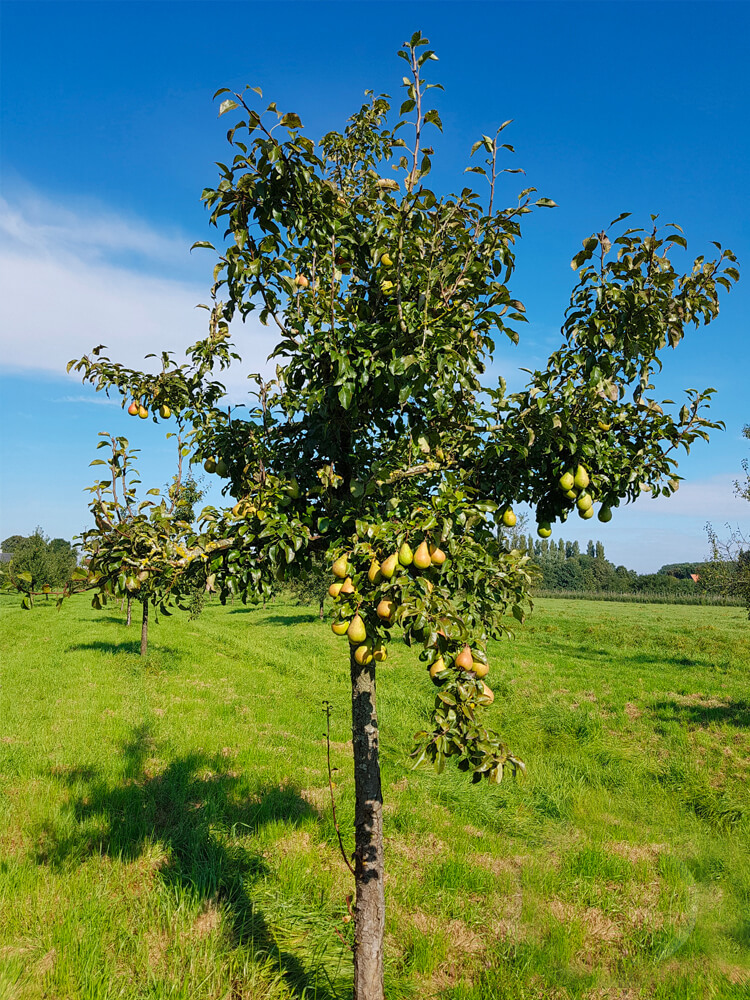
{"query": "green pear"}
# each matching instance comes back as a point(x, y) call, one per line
point(437, 667)
point(388, 566)
point(509, 518)
point(566, 481)
point(373, 574)
point(605, 514)
point(480, 669)
point(584, 501)
point(544, 530)
point(405, 554)
point(210, 465)
point(586, 514)
point(581, 478)
point(222, 468)
point(339, 568)
point(356, 632)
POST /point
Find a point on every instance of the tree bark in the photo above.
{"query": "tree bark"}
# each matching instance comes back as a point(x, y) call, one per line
point(130, 611)
point(369, 909)
point(144, 628)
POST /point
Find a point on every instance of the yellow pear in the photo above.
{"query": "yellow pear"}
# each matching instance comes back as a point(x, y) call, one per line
point(581, 478)
point(347, 587)
point(584, 501)
point(164, 412)
point(437, 667)
point(509, 518)
point(480, 669)
point(422, 558)
point(437, 555)
point(340, 628)
point(335, 589)
point(142, 412)
point(386, 260)
point(339, 568)
point(586, 514)
point(357, 632)
point(388, 566)
point(488, 695)
point(405, 554)
point(379, 652)
point(465, 660)
point(571, 494)
point(567, 481)
point(544, 530)
point(373, 574)
point(363, 654)
point(385, 609)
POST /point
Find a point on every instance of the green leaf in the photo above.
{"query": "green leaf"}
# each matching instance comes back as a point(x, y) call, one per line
point(228, 105)
point(345, 396)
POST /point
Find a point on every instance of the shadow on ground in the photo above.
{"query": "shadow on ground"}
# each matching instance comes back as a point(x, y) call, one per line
point(180, 808)
point(697, 713)
point(133, 646)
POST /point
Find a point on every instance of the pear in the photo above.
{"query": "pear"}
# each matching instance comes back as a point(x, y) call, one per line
point(544, 530)
point(405, 554)
point(373, 574)
point(133, 409)
point(586, 514)
point(437, 667)
point(571, 494)
point(605, 514)
point(364, 654)
point(567, 481)
point(388, 566)
point(465, 660)
point(386, 260)
point(488, 695)
point(437, 555)
point(379, 652)
point(357, 632)
point(335, 589)
point(340, 627)
point(584, 501)
point(347, 587)
point(509, 518)
point(339, 567)
point(221, 468)
point(581, 478)
point(142, 412)
point(164, 412)
point(385, 609)
point(480, 669)
point(210, 465)
point(422, 558)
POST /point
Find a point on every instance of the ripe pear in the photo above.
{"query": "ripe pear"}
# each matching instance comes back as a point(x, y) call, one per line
point(479, 669)
point(340, 628)
point(437, 555)
point(347, 587)
point(488, 695)
point(379, 652)
point(605, 514)
point(465, 660)
point(335, 589)
point(373, 574)
point(385, 609)
point(386, 287)
point(581, 478)
point(422, 558)
point(164, 412)
point(584, 501)
point(586, 514)
point(386, 260)
point(364, 654)
point(405, 554)
point(571, 494)
point(567, 481)
point(509, 518)
point(544, 530)
point(301, 281)
point(437, 667)
point(357, 632)
point(339, 567)
point(388, 566)
point(133, 409)
point(142, 412)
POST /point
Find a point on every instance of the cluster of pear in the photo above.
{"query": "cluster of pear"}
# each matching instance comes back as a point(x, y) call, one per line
point(574, 485)
point(137, 409)
point(469, 661)
point(217, 465)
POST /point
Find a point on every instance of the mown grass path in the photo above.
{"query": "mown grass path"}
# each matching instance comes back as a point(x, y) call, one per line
point(165, 827)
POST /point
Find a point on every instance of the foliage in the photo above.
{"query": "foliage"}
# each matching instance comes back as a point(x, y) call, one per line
point(38, 563)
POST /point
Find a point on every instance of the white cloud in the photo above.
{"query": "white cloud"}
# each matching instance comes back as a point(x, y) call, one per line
point(70, 281)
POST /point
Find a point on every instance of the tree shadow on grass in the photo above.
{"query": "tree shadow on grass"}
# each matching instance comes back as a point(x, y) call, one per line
point(697, 713)
point(181, 808)
point(132, 646)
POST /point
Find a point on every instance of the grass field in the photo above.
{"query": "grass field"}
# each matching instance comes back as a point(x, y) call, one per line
point(165, 826)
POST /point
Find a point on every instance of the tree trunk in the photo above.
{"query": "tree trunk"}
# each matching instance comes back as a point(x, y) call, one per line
point(322, 601)
point(369, 910)
point(144, 628)
point(130, 611)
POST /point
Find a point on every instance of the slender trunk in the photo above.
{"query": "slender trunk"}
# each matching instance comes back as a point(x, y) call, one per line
point(369, 910)
point(130, 611)
point(144, 628)
point(322, 600)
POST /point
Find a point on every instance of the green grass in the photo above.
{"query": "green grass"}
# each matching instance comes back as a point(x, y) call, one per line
point(165, 827)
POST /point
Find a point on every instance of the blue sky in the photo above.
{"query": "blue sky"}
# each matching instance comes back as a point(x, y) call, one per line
point(109, 136)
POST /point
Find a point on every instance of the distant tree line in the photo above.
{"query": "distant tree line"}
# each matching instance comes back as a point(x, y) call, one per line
point(564, 566)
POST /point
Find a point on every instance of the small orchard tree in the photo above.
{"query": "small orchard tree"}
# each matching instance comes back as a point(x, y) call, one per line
point(137, 549)
point(378, 444)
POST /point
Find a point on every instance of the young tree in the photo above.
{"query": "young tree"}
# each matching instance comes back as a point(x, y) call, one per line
point(377, 444)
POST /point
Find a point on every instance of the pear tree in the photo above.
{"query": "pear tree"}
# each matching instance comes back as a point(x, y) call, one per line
point(381, 444)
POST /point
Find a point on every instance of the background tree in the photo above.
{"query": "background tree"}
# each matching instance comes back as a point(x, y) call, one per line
point(378, 445)
point(729, 568)
point(38, 564)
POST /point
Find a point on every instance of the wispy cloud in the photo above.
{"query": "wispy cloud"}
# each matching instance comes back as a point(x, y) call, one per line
point(71, 280)
point(98, 400)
